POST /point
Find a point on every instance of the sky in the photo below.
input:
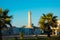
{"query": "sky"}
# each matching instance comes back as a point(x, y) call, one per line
point(19, 9)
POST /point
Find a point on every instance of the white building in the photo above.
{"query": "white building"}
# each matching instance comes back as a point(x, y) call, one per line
point(56, 29)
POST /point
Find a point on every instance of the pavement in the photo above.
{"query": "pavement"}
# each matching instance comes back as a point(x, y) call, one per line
point(28, 35)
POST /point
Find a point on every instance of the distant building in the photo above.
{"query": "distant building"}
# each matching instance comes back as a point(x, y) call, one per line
point(56, 30)
point(58, 26)
point(58, 23)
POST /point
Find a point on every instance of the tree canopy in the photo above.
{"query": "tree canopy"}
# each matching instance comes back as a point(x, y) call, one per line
point(48, 18)
point(4, 18)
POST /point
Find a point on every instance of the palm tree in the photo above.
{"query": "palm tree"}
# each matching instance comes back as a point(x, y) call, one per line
point(4, 19)
point(0, 24)
point(46, 21)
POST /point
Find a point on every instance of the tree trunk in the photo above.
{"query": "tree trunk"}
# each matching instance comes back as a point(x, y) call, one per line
point(0, 34)
point(48, 35)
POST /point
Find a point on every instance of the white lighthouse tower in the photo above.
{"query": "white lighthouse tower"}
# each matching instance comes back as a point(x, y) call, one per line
point(29, 20)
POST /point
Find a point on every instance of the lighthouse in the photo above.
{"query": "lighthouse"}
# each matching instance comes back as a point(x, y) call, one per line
point(29, 20)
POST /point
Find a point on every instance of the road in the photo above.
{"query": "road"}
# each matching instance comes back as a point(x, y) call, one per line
point(28, 36)
point(25, 36)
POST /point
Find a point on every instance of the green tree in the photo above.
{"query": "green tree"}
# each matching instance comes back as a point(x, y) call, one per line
point(23, 26)
point(4, 19)
point(46, 21)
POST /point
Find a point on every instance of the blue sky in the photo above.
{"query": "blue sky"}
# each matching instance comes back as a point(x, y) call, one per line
point(19, 10)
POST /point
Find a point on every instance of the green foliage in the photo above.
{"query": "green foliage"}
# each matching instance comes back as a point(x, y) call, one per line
point(23, 26)
point(4, 19)
point(49, 18)
point(46, 21)
point(21, 35)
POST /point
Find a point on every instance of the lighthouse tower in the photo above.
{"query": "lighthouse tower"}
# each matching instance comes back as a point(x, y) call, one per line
point(29, 20)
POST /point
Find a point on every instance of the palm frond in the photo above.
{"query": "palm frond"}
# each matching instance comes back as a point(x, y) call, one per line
point(50, 14)
point(54, 17)
point(44, 15)
point(5, 12)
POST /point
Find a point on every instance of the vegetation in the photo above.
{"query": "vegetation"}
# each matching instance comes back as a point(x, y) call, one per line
point(23, 26)
point(21, 35)
point(4, 20)
point(46, 21)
